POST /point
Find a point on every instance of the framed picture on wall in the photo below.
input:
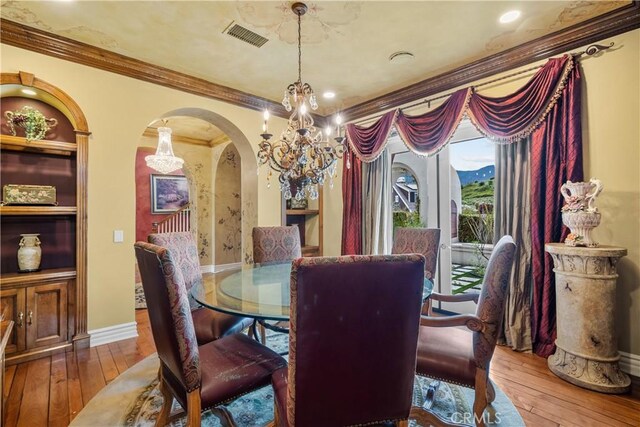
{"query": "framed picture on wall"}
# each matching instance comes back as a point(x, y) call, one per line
point(168, 193)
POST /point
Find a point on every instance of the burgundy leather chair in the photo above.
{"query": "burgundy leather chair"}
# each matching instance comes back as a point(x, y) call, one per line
point(209, 324)
point(463, 356)
point(199, 377)
point(352, 342)
point(272, 245)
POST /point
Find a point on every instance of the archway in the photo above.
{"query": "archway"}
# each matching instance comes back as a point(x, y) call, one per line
point(249, 181)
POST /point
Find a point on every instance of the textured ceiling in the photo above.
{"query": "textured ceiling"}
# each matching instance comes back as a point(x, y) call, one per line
point(346, 45)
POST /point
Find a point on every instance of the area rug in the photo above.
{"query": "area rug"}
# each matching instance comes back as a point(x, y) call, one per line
point(133, 399)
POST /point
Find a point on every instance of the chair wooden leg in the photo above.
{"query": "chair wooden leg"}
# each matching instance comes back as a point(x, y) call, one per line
point(403, 423)
point(480, 400)
point(263, 334)
point(491, 391)
point(194, 408)
point(167, 396)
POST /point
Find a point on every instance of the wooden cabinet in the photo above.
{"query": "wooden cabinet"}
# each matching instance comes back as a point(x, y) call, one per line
point(309, 221)
point(39, 313)
point(48, 307)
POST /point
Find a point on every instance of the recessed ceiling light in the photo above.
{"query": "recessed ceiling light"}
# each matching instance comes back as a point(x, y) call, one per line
point(510, 16)
point(28, 92)
point(329, 95)
point(400, 57)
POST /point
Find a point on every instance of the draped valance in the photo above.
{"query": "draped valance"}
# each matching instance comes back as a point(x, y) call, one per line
point(547, 109)
point(504, 119)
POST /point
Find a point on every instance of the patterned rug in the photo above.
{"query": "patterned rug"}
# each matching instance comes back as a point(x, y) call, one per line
point(141, 303)
point(133, 399)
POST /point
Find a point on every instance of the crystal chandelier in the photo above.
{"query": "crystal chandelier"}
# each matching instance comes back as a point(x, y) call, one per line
point(164, 161)
point(303, 157)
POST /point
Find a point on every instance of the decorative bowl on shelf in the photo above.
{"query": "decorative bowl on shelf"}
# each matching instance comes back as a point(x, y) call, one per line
point(34, 123)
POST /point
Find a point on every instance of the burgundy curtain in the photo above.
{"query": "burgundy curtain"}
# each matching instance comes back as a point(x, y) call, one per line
point(369, 142)
point(548, 108)
point(556, 156)
point(426, 134)
point(351, 204)
point(515, 116)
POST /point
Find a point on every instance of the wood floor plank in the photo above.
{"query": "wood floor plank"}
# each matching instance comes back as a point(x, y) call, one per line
point(90, 373)
point(541, 398)
point(612, 405)
point(12, 408)
point(536, 420)
point(34, 408)
point(109, 369)
point(118, 357)
point(9, 373)
point(74, 387)
point(58, 392)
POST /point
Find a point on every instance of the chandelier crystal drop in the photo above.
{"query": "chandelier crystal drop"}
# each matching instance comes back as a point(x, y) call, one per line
point(303, 156)
point(164, 161)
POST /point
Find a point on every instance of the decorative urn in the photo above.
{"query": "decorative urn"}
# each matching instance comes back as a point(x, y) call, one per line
point(29, 253)
point(579, 212)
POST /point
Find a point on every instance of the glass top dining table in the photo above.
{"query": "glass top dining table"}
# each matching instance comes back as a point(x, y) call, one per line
point(258, 292)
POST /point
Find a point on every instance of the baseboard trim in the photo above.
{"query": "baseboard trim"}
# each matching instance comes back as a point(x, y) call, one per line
point(220, 267)
point(113, 333)
point(630, 363)
point(207, 268)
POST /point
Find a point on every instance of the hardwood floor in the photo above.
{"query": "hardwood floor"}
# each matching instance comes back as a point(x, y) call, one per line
point(51, 391)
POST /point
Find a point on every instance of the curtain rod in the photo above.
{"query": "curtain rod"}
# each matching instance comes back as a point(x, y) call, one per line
point(592, 50)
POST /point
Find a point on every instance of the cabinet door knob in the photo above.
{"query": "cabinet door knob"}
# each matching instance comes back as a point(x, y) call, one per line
point(30, 321)
point(20, 317)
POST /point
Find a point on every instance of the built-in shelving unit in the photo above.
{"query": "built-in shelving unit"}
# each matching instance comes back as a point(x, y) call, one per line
point(309, 221)
point(48, 307)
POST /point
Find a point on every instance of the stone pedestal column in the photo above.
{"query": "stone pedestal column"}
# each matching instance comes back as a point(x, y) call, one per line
point(587, 348)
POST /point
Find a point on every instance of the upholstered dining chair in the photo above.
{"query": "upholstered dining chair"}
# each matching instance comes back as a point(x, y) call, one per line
point(209, 324)
point(198, 376)
point(463, 356)
point(351, 357)
point(273, 245)
point(425, 241)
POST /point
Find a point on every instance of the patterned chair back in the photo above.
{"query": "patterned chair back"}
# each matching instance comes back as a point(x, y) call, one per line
point(169, 314)
point(184, 251)
point(353, 338)
point(272, 245)
point(491, 304)
point(425, 241)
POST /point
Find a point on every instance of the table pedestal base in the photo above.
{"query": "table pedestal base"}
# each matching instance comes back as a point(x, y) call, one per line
point(599, 375)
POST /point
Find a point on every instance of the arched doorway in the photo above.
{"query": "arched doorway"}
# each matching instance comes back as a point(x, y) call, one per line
point(215, 153)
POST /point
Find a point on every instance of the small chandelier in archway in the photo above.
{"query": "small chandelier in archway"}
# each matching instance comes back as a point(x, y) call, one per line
point(164, 161)
point(302, 156)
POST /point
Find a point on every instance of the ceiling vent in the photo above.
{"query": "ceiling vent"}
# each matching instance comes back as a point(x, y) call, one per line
point(246, 35)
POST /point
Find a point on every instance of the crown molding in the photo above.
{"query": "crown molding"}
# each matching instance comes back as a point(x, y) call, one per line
point(607, 25)
point(604, 26)
point(29, 38)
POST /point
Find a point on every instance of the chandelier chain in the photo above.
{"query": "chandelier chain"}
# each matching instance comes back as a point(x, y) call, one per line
point(299, 49)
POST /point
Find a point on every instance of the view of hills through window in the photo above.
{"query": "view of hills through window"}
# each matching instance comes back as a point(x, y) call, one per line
point(474, 163)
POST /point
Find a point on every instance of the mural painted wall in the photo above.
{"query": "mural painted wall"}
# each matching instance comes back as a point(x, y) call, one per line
point(197, 168)
point(228, 206)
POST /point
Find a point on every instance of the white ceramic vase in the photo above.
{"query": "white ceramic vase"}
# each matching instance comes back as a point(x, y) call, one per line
point(581, 224)
point(29, 253)
point(580, 213)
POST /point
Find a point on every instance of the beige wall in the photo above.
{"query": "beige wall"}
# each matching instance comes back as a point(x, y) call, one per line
point(118, 109)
